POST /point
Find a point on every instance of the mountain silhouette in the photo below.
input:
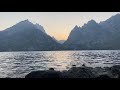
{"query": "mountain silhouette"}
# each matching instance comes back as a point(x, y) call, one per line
point(26, 36)
point(103, 35)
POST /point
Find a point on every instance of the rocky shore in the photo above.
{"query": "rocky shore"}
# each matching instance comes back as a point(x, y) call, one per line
point(78, 72)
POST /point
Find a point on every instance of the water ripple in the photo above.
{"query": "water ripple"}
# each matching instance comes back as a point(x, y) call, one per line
point(18, 64)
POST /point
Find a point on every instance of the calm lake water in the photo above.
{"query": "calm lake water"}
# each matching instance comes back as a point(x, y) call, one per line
point(18, 64)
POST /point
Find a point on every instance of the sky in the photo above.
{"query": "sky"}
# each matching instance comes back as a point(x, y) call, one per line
point(56, 24)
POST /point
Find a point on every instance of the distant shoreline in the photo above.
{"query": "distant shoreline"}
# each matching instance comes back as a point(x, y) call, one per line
point(62, 50)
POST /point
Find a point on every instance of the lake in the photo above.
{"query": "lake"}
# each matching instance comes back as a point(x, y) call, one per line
point(18, 64)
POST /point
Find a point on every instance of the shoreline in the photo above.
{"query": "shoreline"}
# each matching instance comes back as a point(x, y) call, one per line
point(78, 72)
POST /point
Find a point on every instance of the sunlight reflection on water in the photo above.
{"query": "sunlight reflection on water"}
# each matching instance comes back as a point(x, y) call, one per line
point(18, 64)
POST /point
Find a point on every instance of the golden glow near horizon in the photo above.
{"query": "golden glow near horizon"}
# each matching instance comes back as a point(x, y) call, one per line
point(56, 24)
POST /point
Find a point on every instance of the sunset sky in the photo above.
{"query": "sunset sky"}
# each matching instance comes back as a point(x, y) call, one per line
point(57, 24)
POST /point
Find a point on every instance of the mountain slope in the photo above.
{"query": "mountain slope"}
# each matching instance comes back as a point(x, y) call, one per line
point(25, 36)
point(104, 35)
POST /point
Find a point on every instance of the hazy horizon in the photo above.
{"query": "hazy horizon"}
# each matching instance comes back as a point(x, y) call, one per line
point(57, 24)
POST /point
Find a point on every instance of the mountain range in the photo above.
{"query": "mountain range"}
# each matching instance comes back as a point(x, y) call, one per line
point(93, 35)
point(26, 36)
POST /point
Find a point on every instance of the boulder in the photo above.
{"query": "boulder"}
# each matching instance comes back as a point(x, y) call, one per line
point(81, 72)
point(78, 72)
point(44, 74)
point(115, 71)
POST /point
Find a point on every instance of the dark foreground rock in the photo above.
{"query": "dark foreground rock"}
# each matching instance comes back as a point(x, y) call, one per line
point(103, 76)
point(44, 74)
point(78, 72)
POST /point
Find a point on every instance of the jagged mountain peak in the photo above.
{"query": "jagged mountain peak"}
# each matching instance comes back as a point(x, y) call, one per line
point(26, 25)
point(26, 21)
point(95, 35)
point(76, 28)
point(24, 36)
point(92, 22)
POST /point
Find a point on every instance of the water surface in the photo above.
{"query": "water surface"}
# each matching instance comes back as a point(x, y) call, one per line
point(18, 64)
